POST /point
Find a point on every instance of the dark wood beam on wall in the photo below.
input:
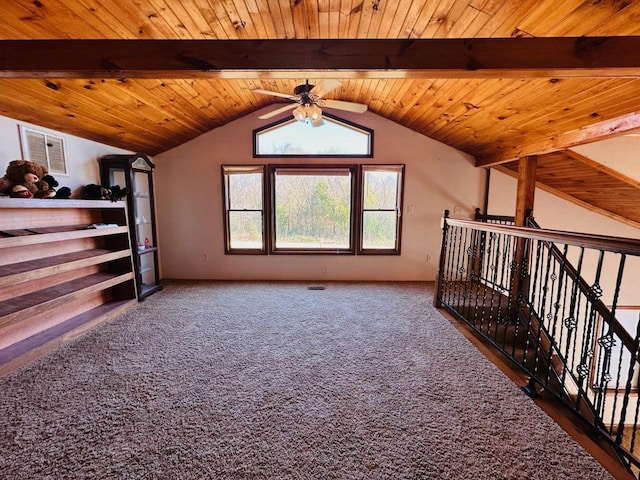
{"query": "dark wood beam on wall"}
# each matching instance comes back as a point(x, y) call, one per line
point(352, 58)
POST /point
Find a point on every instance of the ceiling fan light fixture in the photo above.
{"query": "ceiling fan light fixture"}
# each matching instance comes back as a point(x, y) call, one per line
point(299, 113)
point(311, 112)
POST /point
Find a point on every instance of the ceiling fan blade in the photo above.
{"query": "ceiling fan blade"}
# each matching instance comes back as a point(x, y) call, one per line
point(275, 94)
point(348, 106)
point(277, 111)
point(325, 86)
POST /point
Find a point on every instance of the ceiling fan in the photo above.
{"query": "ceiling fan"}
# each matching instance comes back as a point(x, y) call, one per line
point(307, 100)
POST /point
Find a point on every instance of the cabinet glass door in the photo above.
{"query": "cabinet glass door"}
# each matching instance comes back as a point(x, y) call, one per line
point(144, 228)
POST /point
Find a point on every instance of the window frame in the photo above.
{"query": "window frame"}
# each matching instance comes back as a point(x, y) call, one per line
point(334, 118)
point(228, 250)
point(353, 170)
point(399, 210)
point(356, 224)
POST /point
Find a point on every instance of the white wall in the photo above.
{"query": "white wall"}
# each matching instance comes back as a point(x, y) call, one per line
point(188, 186)
point(619, 153)
point(82, 154)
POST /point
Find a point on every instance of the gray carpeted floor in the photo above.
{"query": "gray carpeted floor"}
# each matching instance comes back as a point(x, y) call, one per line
point(248, 380)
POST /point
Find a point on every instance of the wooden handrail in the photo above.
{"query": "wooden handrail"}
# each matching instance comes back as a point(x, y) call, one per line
point(599, 242)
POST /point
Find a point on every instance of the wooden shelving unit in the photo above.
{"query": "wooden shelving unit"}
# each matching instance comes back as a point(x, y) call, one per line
point(60, 276)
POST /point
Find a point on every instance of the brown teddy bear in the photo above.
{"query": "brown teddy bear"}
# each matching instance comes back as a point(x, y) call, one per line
point(22, 179)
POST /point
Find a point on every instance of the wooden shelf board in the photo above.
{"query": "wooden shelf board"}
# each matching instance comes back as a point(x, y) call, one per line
point(25, 306)
point(43, 267)
point(6, 202)
point(38, 345)
point(71, 232)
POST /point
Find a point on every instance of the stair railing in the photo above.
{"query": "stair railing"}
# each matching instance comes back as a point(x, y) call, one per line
point(548, 300)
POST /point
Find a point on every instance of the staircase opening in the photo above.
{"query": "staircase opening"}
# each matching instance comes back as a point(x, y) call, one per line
point(548, 301)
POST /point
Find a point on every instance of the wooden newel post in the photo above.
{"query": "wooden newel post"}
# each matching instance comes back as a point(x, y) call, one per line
point(524, 207)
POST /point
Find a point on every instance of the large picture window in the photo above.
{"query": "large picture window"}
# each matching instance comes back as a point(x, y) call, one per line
point(312, 209)
point(317, 209)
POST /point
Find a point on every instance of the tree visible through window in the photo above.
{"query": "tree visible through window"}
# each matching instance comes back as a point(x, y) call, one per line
point(313, 209)
point(243, 187)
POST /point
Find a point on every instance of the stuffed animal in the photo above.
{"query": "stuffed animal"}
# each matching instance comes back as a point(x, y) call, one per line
point(63, 192)
point(94, 192)
point(97, 192)
point(47, 187)
point(21, 179)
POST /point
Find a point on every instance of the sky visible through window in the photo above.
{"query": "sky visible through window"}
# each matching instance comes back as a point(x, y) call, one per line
point(298, 138)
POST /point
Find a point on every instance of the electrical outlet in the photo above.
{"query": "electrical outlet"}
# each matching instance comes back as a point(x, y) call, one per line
point(205, 257)
point(457, 209)
point(325, 269)
point(429, 257)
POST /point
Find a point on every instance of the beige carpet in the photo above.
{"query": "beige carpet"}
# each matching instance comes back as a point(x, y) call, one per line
point(210, 380)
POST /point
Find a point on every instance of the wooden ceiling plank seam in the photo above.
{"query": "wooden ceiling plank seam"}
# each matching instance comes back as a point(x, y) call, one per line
point(418, 25)
point(179, 106)
point(232, 96)
point(445, 96)
point(177, 16)
point(573, 200)
point(586, 17)
point(506, 23)
point(440, 16)
point(323, 19)
point(248, 19)
point(189, 14)
point(298, 19)
point(542, 18)
point(225, 21)
point(419, 92)
point(485, 12)
point(599, 131)
point(377, 10)
point(57, 110)
point(269, 19)
point(147, 93)
point(581, 107)
point(150, 24)
point(397, 15)
point(475, 100)
point(73, 93)
point(504, 110)
point(125, 113)
point(343, 27)
point(385, 94)
point(26, 18)
point(67, 15)
point(276, 22)
point(406, 96)
point(242, 25)
point(287, 18)
point(355, 17)
point(334, 21)
point(197, 91)
point(460, 15)
point(620, 22)
point(110, 21)
point(311, 14)
point(366, 17)
point(210, 18)
point(528, 123)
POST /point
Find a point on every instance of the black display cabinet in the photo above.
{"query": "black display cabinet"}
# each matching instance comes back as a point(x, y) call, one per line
point(136, 173)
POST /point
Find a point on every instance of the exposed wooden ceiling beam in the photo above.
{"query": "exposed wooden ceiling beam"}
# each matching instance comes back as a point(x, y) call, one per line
point(352, 58)
point(598, 131)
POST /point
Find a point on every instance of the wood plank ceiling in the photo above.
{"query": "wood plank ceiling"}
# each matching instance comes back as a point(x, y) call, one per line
point(493, 119)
